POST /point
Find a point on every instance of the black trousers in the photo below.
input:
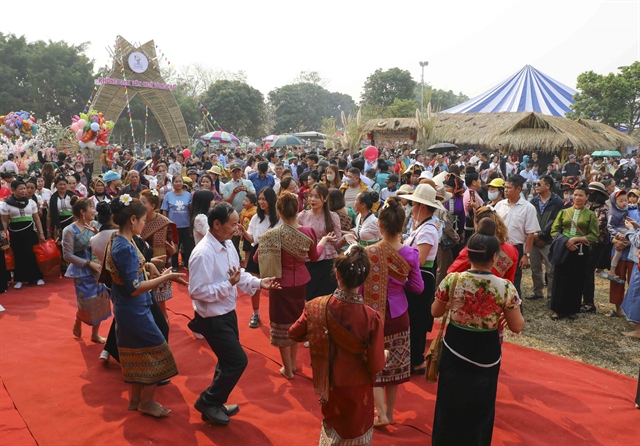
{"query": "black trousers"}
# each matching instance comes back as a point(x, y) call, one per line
point(221, 332)
point(186, 240)
point(518, 277)
point(420, 319)
point(595, 253)
point(638, 392)
point(112, 344)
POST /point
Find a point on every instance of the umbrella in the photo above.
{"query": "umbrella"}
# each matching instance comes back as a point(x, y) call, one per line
point(442, 147)
point(312, 135)
point(606, 153)
point(270, 138)
point(221, 137)
point(287, 140)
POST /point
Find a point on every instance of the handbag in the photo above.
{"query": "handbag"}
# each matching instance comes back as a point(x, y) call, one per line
point(434, 354)
point(447, 243)
point(47, 255)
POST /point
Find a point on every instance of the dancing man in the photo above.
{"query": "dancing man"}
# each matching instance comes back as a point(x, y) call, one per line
point(215, 271)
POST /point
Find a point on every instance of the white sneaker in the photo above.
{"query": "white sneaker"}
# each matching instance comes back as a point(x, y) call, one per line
point(18, 285)
point(40, 282)
point(105, 356)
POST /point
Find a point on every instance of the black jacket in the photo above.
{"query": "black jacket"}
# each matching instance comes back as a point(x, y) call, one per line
point(549, 215)
point(626, 176)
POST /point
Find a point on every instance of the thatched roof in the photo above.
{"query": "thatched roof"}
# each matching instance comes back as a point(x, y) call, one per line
point(390, 125)
point(528, 131)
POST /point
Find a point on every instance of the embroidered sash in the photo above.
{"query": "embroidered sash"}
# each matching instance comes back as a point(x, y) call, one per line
point(284, 237)
point(155, 233)
point(110, 266)
point(503, 263)
point(385, 262)
point(324, 329)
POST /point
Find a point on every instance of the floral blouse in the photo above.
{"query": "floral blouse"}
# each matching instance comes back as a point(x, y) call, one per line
point(479, 299)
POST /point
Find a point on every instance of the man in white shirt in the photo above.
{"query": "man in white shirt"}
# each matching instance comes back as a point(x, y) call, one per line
point(214, 272)
point(521, 220)
point(175, 168)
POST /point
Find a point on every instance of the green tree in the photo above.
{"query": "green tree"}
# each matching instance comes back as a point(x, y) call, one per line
point(238, 107)
point(613, 99)
point(302, 106)
point(402, 108)
point(382, 87)
point(44, 77)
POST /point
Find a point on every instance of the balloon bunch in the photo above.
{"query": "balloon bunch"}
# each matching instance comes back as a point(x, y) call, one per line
point(91, 129)
point(16, 123)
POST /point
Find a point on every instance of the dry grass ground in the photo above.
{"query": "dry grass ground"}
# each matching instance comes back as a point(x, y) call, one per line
point(593, 338)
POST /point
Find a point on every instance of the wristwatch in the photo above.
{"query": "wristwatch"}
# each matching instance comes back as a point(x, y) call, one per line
point(528, 254)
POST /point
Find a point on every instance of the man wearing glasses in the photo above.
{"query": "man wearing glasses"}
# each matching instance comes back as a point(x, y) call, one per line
point(547, 206)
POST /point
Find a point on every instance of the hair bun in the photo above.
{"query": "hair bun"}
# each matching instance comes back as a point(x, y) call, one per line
point(116, 205)
point(486, 226)
point(103, 208)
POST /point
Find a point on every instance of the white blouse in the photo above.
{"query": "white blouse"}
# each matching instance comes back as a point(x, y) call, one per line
point(257, 228)
point(427, 234)
point(13, 212)
point(368, 231)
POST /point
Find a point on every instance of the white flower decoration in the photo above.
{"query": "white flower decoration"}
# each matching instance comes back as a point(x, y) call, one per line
point(126, 199)
point(155, 192)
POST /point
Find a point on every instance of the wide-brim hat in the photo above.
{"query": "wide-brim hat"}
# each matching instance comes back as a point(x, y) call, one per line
point(596, 186)
point(215, 170)
point(425, 194)
point(635, 192)
point(405, 189)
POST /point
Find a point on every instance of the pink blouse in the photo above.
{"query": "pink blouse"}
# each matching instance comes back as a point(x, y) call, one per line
point(309, 219)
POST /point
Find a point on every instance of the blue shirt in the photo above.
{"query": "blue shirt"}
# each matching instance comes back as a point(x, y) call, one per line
point(222, 160)
point(177, 208)
point(381, 179)
point(259, 183)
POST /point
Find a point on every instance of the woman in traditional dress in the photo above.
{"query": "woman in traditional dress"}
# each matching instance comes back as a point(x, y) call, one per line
point(579, 226)
point(424, 237)
point(323, 221)
point(347, 350)
point(93, 297)
point(98, 190)
point(60, 214)
point(266, 218)
point(395, 270)
point(282, 254)
point(478, 302)
point(145, 356)
point(366, 230)
point(160, 233)
point(20, 216)
point(454, 185)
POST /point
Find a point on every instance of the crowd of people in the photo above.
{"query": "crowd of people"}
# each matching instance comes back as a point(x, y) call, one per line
point(358, 256)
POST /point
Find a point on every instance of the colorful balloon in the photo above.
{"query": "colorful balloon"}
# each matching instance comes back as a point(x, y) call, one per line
point(371, 153)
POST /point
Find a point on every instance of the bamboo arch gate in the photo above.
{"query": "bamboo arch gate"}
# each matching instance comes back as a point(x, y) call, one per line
point(111, 100)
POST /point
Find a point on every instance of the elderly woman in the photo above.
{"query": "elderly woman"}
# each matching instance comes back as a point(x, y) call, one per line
point(425, 238)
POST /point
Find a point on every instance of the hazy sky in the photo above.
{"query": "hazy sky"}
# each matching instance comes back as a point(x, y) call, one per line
point(470, 45)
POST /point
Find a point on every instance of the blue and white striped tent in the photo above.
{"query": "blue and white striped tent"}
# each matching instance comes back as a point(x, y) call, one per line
point(528, 90)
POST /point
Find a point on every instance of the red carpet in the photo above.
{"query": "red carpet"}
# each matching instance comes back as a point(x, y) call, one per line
point(57, 392)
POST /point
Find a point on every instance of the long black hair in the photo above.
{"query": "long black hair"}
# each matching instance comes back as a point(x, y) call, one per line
point(269, 195)
point(201, 203)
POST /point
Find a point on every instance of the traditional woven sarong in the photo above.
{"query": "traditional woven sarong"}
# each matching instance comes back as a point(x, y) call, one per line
point(285, 307)
point(329, 437)
point(156, 233)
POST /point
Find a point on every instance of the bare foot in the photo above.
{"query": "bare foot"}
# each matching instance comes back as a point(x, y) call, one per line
point(133, 405)
point(283, 373)
point(154, 409)
point(98, 339)
point(390, 418)
point(77, 329)
point(380, 421)
point(632, 334)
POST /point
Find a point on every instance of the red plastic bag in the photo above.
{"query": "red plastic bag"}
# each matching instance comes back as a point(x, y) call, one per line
point(8, 259)
point(47, 255)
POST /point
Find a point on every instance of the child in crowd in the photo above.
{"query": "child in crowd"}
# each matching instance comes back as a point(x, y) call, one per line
point(618, 213)
point(633, 196)
point(249, 209)
point(371, 174)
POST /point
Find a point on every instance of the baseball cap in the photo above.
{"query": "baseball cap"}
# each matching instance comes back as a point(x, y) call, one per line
point(235, 166)
point(393, 178)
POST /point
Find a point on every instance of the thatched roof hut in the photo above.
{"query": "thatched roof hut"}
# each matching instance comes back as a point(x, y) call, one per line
point(391, 129)
point(528, 131)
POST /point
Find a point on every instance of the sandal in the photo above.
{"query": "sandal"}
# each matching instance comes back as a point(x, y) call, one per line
point(612, 313)
point(588, 309)
point(556, 318)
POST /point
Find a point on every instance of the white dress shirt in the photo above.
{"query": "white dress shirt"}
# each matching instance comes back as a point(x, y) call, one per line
point(521, 219)
point(211, 292)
